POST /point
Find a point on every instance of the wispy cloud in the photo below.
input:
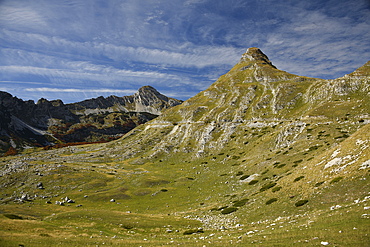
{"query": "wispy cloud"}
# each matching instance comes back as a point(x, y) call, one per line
point(21, 16)
point(182, 56)
point(177, 46)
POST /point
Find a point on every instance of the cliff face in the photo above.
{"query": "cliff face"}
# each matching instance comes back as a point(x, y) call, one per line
point(49, 122)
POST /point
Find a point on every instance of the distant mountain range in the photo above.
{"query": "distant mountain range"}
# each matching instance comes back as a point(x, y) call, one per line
point(46, 123)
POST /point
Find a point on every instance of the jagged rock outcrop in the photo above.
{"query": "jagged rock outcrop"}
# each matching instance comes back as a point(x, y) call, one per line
point(49, 122)
point(147, 99)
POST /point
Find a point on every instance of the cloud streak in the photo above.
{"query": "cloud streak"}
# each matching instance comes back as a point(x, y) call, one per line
point(179, 47)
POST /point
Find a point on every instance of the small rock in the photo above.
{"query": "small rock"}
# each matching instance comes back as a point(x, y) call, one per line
point(40, 186)
point(324, 243)
point(25, 197)
point(59, 203)
point(112, 200)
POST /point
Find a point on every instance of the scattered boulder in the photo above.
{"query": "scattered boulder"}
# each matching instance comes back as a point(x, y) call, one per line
point(68, 200)
point(25, 197)
point(59, 203)
point(40, 186)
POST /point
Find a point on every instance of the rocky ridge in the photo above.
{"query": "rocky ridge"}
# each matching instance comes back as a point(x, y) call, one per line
point(25, 123)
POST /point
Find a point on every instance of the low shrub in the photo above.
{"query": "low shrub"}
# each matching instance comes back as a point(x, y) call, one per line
point(253, 182)
point(127, 227)
point(276, 163)
point(264, 172)
point(337, 179)
point(241, 202)
point(193, 231)
point(267, 186)
point(313, 148)
point(13, 216)
point(229, 210)
point(301, 203)
point(276, 189)
point(272, 200)
point(319, 183)
point(298, 178)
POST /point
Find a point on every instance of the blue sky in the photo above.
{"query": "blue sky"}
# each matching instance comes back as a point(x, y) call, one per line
point(77, 49)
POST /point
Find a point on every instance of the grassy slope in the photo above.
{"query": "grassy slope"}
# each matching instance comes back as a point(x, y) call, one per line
point(259, 169)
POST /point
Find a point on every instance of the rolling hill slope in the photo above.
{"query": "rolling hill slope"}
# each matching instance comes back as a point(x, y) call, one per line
point(261, 158)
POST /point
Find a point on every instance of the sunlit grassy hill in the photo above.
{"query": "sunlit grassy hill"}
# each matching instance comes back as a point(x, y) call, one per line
point(261, 158)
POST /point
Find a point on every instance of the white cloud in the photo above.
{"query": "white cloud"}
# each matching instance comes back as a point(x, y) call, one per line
point(87, 72)
point(185, 55)
point(20, 17)
point(175, 44)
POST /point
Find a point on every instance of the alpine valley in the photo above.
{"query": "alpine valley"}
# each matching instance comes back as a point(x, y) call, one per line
point(261, 158)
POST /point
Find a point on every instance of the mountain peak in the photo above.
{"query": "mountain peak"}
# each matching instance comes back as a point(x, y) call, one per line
point(255, 55)
point(148, 89)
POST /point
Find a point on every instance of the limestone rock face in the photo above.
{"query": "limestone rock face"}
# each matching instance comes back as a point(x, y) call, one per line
point(24, 123)
point(254, 54)
point(255, 94)
point(147, 99)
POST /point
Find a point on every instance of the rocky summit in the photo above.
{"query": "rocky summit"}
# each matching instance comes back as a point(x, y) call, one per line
point(47, 123)
point(261, 158)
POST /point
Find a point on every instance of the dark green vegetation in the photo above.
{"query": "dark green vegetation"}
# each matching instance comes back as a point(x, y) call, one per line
point(252, 161)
